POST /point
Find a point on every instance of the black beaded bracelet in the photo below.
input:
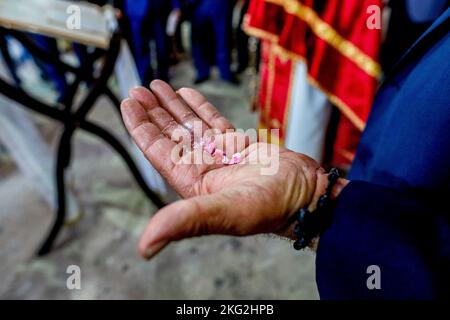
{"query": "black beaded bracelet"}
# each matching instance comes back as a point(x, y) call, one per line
point(310, 224)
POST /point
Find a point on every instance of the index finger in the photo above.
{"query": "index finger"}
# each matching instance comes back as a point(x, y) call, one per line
point(151, 141)
point(205, 110)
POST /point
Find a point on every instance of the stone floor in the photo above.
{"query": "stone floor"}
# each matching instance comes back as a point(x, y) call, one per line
point(115, 211)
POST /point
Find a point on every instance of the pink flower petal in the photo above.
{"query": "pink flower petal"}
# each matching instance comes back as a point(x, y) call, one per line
point(237, 158)
point(218, 153)
point(210, 147)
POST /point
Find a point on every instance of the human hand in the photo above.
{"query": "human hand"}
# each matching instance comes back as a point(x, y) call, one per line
point(218, 199)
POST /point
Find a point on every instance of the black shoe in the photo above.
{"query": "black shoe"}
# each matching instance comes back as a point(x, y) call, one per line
point(241, 69)
point(233, 80)
point(201, 80)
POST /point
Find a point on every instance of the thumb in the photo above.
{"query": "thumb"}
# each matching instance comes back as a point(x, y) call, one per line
point(210, 214)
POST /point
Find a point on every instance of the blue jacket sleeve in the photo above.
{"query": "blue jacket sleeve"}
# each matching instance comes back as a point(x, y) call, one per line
point(406, 235)
point(176, 4)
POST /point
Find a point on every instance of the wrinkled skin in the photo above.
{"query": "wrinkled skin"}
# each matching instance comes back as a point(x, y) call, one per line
point(218, 199)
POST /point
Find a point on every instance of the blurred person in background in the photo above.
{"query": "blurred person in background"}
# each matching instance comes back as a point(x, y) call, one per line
point(145, 21)
point(327, 64)
point(408, 21)
point(242, 38)
point(319, 74)
point(48, 71)
point(210, 35)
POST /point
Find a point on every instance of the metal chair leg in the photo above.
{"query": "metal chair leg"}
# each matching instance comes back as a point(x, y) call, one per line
point(61, 164)
point(122, 151)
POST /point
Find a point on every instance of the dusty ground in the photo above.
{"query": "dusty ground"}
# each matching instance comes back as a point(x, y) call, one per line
point(103, 245)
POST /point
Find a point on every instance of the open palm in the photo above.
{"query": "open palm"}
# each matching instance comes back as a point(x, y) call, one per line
point(219, 199)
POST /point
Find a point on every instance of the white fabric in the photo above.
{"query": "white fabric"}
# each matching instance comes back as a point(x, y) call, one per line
point(308, 118)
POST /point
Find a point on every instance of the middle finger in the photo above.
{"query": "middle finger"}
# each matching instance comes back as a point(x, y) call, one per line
point(177, 108)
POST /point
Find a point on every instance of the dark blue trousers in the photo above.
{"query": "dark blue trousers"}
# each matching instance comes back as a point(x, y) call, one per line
point(211, 23)
point(50, 46)
point(147, 21)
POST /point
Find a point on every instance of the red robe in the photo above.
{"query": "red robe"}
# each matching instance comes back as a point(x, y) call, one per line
point(341, 54)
